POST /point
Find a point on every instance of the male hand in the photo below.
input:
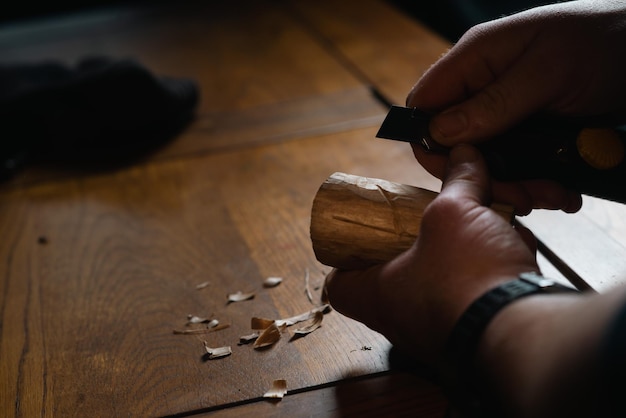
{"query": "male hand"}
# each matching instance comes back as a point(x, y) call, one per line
point(566, 59)
point(464, 249)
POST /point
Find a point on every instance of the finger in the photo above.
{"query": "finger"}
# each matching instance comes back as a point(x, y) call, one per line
point(505, 102)
point(354, 293)
point(490, 81)
point(466, 177)
point(480, 56)
point(524, 196)
point(435, 164)
point(527, 195)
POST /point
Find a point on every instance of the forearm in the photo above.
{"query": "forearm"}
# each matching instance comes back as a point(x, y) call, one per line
point(540, 355)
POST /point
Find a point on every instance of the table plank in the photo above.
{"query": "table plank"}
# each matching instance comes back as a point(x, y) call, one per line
point(88, 312)
point(383, 46)
point(244, 55)
point(101, 268)
point(396, 394)
point(589, 242)
point(270, 82)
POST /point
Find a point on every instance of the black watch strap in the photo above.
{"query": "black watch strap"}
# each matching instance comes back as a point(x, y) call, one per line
point(463, 342)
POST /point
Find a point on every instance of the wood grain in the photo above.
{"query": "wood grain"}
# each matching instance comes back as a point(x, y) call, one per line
point(88, 312)
point(382, 46)
point(101, 267)
point(270, 82)
point(242, 57)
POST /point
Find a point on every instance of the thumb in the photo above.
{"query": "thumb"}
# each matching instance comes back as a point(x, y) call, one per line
point(466, 176)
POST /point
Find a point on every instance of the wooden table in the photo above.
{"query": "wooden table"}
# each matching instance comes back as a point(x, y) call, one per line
point(98, 269)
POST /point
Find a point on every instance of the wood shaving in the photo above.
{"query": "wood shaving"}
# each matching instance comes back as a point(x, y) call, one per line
point(272, 281)
point(202, 285)
point(307, 290)
point(260, 323)
point(263, 323)
point(192, 319)
point(278, 389)
point(269, 336)
point(247, 339)
point(317, 322)
point(303, 316)
point(217, 352)
point(240, 296)
point(200, 330)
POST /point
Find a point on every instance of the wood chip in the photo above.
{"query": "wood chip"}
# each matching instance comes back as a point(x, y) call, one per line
point(272, 281)
point(269, 336)
point(278, 389)
point(263, 323)
point(247, 339)
point(200, 330)
point(217, 352)
point(192, 319)
point(260, 323)
point(307, 290)
point(317, 322)
point(202, 285)
point(240, 296)
point(303, 316)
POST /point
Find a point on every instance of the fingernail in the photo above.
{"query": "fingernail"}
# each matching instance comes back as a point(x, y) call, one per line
point(447, 125)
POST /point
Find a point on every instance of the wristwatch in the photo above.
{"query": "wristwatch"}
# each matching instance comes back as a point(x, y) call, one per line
point(463, 342)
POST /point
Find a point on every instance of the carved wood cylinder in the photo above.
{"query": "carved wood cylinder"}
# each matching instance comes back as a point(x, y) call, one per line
point(357, 222)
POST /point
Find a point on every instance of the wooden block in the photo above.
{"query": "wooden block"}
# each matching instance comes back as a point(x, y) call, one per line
point(357, 221)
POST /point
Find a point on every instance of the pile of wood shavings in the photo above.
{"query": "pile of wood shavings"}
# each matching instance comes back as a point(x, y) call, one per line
point(267, 332)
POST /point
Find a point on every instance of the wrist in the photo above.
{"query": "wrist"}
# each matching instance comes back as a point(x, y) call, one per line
point(539, 356)
point(516, 352)
point(468, 333)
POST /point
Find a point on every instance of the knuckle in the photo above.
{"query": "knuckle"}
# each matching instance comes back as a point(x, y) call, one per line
point(494, 100)
point(477, 32)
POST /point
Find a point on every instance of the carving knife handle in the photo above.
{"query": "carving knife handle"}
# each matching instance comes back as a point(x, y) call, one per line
point(587, 159)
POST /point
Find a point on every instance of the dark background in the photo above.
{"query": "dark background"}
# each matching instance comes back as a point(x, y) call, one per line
point(451, 18)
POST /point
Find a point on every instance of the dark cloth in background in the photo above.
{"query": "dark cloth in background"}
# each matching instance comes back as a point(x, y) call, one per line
point(451, 18)
point(100, 111)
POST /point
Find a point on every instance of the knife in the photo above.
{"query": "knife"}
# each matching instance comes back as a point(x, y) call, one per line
point(586, 159)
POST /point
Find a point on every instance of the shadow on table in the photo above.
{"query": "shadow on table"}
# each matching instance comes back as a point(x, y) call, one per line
point(407, 390)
